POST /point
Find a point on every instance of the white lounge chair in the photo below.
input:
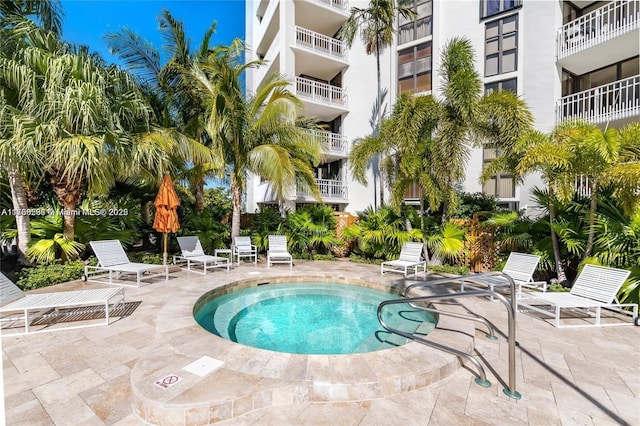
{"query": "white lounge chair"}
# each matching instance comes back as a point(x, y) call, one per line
point(595, 288)
point(278, 251)
point(242, 247)
point(113, 260)
point(410, 256)
point(37, 305)
point(520, 267)
point(192, 253)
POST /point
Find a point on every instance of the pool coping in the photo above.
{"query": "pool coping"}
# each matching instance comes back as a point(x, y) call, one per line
point(251, 378)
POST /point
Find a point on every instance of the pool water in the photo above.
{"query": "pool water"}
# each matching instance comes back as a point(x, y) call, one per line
point(310, 318)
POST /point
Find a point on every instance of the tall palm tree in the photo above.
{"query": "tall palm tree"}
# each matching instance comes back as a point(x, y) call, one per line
point(18, 95)
point(550, 155)
point(430, 138)
point(170, 88)
point(257, 133)
point(376, 26)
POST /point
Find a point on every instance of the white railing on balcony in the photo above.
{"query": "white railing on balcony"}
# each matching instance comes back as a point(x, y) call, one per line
point(609, 21)
point(341, 5)
point(321, 43)
point(613, 101)
point(321, 92)
point(329, 188)
point(332, 143)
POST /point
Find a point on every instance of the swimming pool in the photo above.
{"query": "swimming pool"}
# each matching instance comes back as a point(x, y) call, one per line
point(310, 318)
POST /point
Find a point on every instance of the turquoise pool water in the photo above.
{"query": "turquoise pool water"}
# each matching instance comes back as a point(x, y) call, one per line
point(310, 318)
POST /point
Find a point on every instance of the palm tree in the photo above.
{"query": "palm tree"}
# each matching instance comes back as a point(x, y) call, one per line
point(170, 89)
point(48, 12)
point(376, 26)
point(549, 155)
point(18, 87)
point(608, 158)
point(13, 154)
point(258, 133)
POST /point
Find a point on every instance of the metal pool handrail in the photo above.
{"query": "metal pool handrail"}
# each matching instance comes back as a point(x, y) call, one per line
point(481, 380)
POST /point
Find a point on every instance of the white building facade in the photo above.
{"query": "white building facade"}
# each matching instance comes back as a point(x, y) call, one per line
point(566, 59)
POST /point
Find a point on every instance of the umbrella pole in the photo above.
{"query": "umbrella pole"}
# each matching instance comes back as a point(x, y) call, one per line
point(164, 255)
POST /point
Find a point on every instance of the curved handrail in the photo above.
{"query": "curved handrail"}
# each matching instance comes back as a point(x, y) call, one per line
point(511, 390)
point(464, 278)
point(471, 317)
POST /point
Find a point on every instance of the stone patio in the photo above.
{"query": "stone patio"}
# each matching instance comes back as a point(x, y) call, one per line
point(105, 375)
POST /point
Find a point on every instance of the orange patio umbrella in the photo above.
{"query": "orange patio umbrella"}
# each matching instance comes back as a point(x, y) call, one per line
point(166, 219)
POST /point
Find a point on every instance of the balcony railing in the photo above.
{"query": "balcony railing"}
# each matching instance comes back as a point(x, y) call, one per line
point(609, 21)
point(613, 101)
point(332, 143)
point(321, 92)
point(321, 43)
point(329, 188)
point(341, 5)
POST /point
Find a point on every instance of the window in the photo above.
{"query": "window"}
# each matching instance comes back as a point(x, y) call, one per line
point(501, 46)
point(414, 68)
point(501, 185)
point(511, 85)
point(493, 7)
point(419, 27)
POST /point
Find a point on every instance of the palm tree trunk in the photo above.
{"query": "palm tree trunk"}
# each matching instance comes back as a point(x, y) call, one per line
point(19, 199)
point(198, 193)
point(236, 202)
point(68, 194)
point(560, 274)
point(592, 221)
point(379, 123)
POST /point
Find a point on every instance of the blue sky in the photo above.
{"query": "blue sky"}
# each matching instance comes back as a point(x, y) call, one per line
point(87, 21)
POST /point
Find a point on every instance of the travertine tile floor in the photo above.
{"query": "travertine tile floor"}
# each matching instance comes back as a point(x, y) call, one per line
point(588, 376)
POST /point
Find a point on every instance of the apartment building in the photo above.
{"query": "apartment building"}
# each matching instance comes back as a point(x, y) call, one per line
point(567, 59)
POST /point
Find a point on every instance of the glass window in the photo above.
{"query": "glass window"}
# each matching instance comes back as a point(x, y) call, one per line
point(414, 68)
point(501, 185)
point(419, 27)
point(493, 7)
point(510, 85)
point(501, 46)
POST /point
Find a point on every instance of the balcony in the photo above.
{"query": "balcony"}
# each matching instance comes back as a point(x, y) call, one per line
point(333, 144)
point(606, 35)
point(619, 100)
point(323, 16)
point(331, 190)
point(318, 55)
point(321, 44)
point(271, 61)
point(322, 100)
point(341, 5)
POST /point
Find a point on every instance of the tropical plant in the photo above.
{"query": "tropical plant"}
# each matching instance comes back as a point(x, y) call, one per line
point(48, 13)
point(264, 223)
point(15, 155)
point(376, 26)
point(171, 92)
point(609, 159)
point(257, 133)
point(312, 230)
point(380, 234)
point(446, 244)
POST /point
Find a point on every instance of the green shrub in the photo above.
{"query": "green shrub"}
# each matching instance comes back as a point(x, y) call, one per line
point(448, 269)
point(559, 288)
point(51, 274)
point(145, 257)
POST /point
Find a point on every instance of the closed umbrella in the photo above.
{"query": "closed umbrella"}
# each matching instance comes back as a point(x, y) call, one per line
point(166, 219)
